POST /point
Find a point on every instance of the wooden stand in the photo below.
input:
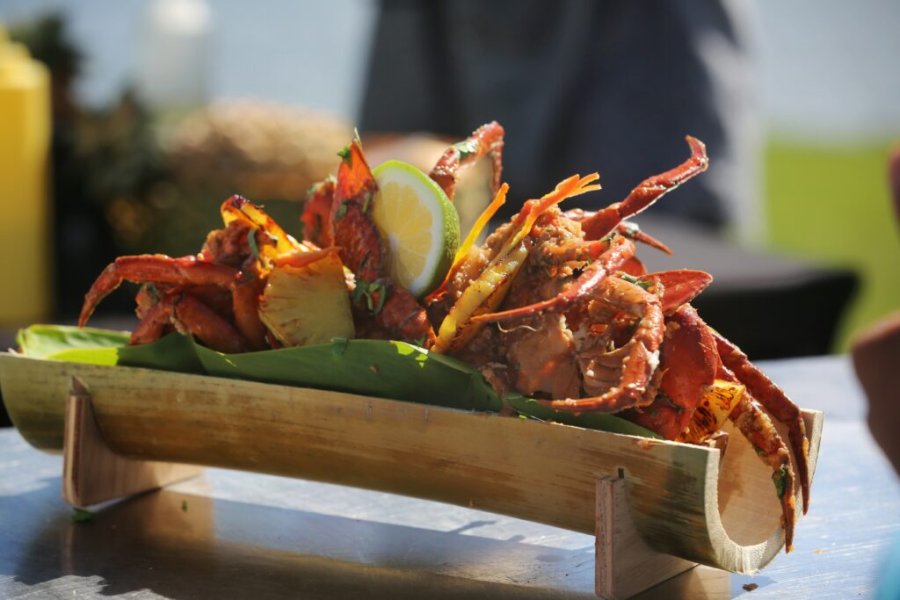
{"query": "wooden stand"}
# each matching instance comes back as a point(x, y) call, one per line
point(94, 473)
point(625, 565)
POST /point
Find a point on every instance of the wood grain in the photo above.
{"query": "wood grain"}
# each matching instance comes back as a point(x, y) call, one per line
point(543, 472)
point(626, 565)
point(92, 473)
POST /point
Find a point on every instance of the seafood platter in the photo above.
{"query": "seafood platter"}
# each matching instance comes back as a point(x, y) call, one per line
point(509, 369)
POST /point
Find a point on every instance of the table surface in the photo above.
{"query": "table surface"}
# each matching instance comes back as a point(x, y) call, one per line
point(234, 534)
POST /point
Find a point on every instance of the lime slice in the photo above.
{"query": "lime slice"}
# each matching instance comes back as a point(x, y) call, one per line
point(418, 223)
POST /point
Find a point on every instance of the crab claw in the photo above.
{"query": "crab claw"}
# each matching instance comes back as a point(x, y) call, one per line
point(486, 140)
point(680, 286)
point(689, 362)
point(154, 268)
point(602, 222)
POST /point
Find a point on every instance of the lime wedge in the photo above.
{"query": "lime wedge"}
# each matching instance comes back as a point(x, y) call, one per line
point(418, 223)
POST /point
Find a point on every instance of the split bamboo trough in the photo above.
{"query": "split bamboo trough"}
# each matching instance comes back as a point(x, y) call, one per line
point(710, 505)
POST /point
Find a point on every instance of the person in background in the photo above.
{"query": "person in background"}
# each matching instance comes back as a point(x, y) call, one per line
point(876, 358)
point(580, 86)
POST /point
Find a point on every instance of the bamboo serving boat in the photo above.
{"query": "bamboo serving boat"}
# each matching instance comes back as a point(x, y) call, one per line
point(704, 504)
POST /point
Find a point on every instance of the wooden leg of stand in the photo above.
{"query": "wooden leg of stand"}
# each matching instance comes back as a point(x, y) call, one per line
point(92, 473)
point(625, 564)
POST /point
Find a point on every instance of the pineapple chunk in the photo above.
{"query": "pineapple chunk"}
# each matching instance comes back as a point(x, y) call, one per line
point(306, 300)
point(719, 399)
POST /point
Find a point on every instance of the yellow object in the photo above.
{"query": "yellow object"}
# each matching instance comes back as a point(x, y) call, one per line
point(24, 151)
point(306, 300)
point(718, 401)
point(418, 223)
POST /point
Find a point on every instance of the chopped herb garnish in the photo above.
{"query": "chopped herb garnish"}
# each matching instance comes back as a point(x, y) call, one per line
point(382, 296)
point(365, 289)
point(251, 241)
point(635, 280)
point(344, 153)
point(466, 149)
point(341, 210)
point(780, 479)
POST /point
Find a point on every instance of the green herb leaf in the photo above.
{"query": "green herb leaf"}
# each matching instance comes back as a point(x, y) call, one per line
point(635, 280)
point(779, 477)
point(251, 241)
point(366, 291)
point(382, 291)
point(466, 148)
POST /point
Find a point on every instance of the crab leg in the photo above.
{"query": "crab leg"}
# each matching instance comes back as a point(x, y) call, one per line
point(245, 301)
point(153, 323)
point(188, 315)
point(775, 400)
point(604, 221)
point(752, 421)
point(631, 230)
point(486, 140)
point(619, 252)
point(155, 268)
point(201, 321)
point(626, 228)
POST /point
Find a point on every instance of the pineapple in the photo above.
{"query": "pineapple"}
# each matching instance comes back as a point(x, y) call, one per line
point(306, 300)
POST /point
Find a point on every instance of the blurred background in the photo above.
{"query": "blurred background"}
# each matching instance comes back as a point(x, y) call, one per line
point(163, 108)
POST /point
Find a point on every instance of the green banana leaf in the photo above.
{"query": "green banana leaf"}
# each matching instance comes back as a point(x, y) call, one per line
point(42, 341)
point(387, 369)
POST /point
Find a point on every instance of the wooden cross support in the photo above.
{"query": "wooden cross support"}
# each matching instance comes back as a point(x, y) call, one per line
point(93, 473)
point(624, 564)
